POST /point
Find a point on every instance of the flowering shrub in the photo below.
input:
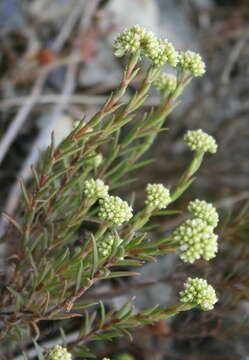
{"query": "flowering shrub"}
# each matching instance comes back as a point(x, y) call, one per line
point(74, 186)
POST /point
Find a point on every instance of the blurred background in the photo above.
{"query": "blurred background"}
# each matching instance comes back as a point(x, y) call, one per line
point(57, 65)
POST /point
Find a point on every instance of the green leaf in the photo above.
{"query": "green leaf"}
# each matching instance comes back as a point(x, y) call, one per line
point(149, 311)
point(84, 354)
point(141, 164)
point(95, 258)
point(65, 316)
point(53, 177)
point(38, 351)
point(121, 274)
point(63, 336)
point(102, 315)
point(24, 191)
point(120, 184)
point(80, 306)
point(79, 276)
point(125, 309)
point(181, 189)
point(129, 262)
point(166, 212)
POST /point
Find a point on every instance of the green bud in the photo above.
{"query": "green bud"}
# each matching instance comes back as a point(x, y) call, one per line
point(204, 211)
point(198, 291)
point(198, 140)
point(192, 62)
point(114, 210)
point(95, 189)
point(59, 353)
point(196, 239)
point(166, 83)
point(158, 196)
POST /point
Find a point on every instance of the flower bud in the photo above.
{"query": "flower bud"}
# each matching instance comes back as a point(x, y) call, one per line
point(166, 83)
point(95, 189)
point(158, 196)
point(114, 210)
point(204, 211)
point(59, 353)
point(198, 140)
point(197, 291)
point(196, 239)
point(192, 62)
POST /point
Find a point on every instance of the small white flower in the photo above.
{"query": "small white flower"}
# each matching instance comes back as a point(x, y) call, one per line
point(198, 292)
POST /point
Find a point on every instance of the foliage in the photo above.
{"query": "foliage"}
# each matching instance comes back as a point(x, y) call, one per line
point(75, 232)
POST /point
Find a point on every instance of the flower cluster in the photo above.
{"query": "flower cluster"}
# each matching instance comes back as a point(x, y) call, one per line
point(166, 83)
point(198, 140)
point(59, 353)
point(163, 53)
point(129, 40)
point(159, 51)
point(197, 291)
point(158, 196)
point(95, 189)
point(114, 210)
point(192, 62)
point(204, 211)
point(106, 244)
point(196, 239)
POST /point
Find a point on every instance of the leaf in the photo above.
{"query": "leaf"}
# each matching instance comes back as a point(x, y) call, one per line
point(121, 274)
point(13, 222)
point(149, 311)
point(125, 332)
point(38, 351)
point(84, 354)
point(129, 262)
point(65, 316)
point(63, 336)
point(120, 184)
point(95, 258)
point(54, 177)
point(24, 191)
point(141, 164)
point(79, 276)
point(166, 212)
point(181, 189)
point(125, 309)
point(35, 174)
point(102, 315)
point(83, 305)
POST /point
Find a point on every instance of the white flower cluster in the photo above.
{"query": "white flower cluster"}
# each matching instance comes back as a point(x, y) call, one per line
point(158, 196)
point(105, 245)
point(163, 53)
point(59, 353)
point(129, 40)
point(95, 189)
point(198, 292)
point(192, 62)
point(166, 83)
point(204, 211)
point(160, 52)
point(114, 210)
point(198, 140)
point(196, 239)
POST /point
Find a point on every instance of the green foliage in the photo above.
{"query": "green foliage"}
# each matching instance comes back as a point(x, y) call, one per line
point(57, 257)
